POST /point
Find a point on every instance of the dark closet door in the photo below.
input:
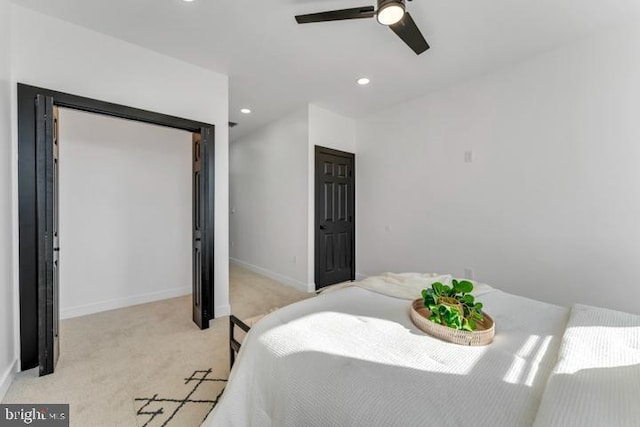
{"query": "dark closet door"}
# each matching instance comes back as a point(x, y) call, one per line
point(48, 237)
point(203, 184)
point(335, 217)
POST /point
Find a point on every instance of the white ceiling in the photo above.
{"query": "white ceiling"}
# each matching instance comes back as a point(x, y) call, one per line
point(275, 65)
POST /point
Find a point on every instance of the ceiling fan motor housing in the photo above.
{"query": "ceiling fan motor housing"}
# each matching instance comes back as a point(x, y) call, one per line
point(382, 3)
point(390, 11)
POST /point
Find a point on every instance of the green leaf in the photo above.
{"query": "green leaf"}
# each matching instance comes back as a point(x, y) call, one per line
point(478, 316)
point(463, 287)
point(468, 300)
point(437, 288)
point(472, 324)
point(454, 319)
point(435, 318)
point(429, 300)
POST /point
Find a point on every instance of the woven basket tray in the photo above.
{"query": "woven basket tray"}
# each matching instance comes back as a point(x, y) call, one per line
point(481, 336)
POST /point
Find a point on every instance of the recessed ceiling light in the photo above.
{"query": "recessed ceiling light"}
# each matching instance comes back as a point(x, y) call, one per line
point(363, 81)
point(245, 111)
point(187, 1)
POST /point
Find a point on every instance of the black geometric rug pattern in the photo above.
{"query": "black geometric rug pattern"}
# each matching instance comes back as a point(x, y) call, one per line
point(164, 411)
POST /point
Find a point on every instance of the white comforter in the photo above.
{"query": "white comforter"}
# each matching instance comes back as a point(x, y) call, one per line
point(597, 379)
point(352, 357)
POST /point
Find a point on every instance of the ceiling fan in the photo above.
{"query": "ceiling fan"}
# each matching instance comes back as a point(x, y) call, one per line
point(391, 13)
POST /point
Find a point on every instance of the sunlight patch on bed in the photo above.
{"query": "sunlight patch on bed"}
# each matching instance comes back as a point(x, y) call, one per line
point(369, 339)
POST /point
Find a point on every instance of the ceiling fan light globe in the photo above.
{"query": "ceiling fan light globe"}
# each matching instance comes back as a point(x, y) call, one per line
point(390, 13)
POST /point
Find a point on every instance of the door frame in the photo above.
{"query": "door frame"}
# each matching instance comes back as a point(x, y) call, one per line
point(27, 200)
point(46, 198)
point(318, 213)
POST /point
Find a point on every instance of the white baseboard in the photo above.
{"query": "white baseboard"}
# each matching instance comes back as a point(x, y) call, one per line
point(96, 307)
point(285, 280)
point(360, 276)
point(7, 378)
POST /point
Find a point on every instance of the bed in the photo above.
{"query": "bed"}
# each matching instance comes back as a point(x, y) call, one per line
point(352, 357)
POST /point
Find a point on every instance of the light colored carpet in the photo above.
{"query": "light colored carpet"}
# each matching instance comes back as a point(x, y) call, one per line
point(109, 359)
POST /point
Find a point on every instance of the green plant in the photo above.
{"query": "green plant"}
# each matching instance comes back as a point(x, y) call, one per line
point(453, 306)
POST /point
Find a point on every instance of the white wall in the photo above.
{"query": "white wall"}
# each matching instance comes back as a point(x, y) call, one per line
point(268, 184)
point(549, 206)
point(330, 130)
point(8, 356)
point(125, 213)
point(54, 54)
point(272, 231)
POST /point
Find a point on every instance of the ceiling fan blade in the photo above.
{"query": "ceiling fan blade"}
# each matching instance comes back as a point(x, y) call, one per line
point(408, 31)
point(337, 15)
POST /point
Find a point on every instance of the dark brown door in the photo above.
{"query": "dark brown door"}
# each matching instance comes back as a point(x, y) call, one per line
point(203, 227)
point(48, 237)
point(335, 217)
